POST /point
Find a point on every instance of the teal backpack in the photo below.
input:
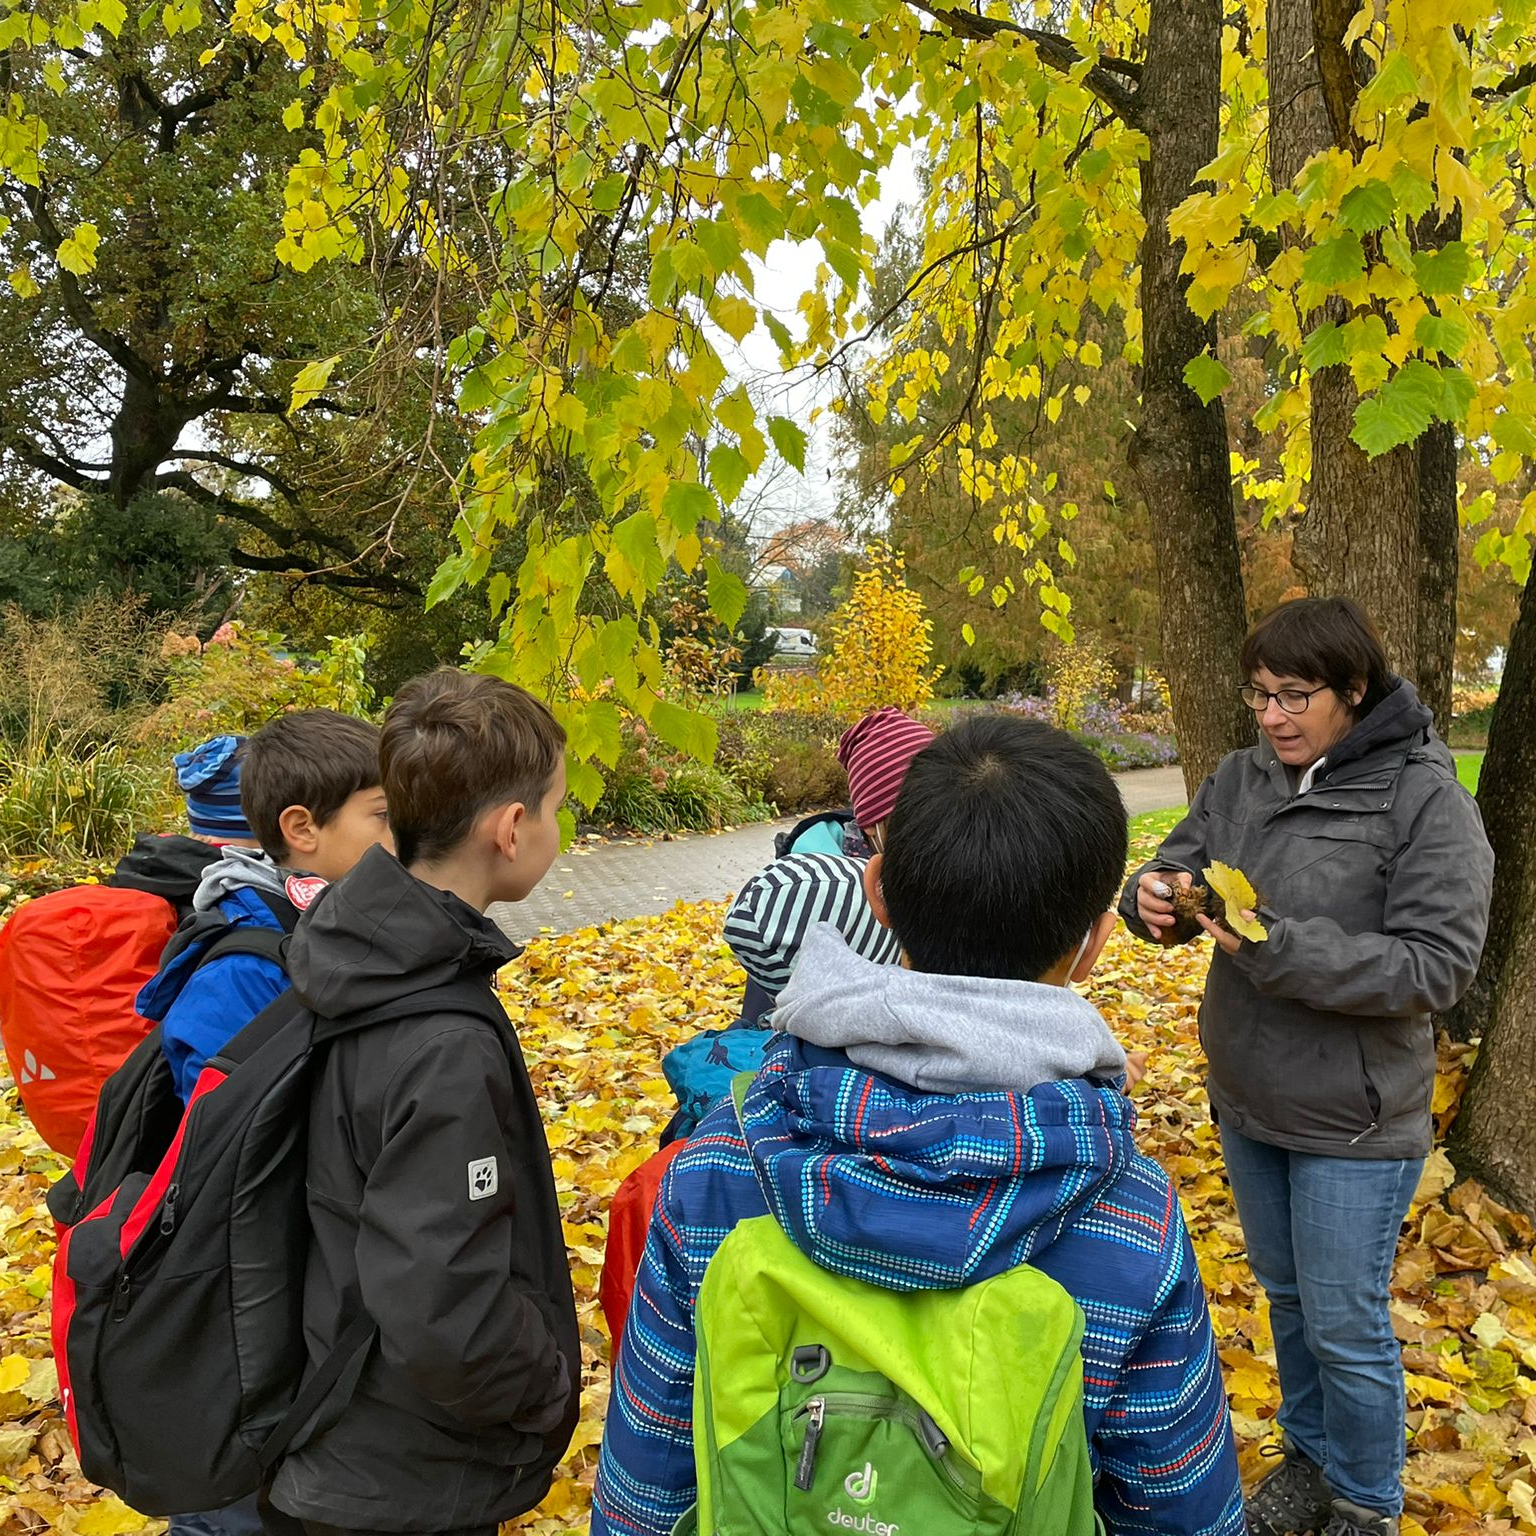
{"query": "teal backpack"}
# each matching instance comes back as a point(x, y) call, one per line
point(824, 1404)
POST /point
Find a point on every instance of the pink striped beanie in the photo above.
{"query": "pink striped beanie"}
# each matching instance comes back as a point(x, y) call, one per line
point(876, 753)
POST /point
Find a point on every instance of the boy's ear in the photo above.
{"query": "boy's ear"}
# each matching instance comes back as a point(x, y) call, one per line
point(300, 830)
point(506, 823)
point(874, 892)
point(1100, 932)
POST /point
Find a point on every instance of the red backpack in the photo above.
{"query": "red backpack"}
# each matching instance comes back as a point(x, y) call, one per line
point(71, 966)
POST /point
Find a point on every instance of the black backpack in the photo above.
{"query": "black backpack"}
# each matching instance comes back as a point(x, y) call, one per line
point(179, 1277)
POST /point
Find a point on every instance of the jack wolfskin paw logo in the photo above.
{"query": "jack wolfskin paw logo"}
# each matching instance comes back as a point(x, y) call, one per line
point(483, 1178)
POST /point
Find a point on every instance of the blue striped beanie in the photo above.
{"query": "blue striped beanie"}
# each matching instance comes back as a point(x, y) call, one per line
point(209, 776)
point(779, 905)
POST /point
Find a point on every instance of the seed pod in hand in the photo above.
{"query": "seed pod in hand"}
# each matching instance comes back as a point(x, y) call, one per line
point(1188, 903)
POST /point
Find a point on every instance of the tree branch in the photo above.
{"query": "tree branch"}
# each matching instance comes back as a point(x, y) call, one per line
point(241, 467)
point(1060, 53)
point(76, 305)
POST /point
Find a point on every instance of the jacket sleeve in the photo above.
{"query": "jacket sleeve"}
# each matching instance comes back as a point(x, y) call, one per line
point(1182, 850)
point(218, 1001)
point(437, 1232)
point(1166, 1458)
point(1431, 939)
point(645, 1477)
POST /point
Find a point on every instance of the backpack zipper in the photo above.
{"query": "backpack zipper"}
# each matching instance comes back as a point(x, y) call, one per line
point(123, 1298)
point(805, 1472)
point(868, 1406)
point(168, 1215)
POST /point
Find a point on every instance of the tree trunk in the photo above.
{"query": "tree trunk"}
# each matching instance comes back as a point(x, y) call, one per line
point(1180, 452)
point(1360, 535)
point(1495, 1136)
point(1439, 565)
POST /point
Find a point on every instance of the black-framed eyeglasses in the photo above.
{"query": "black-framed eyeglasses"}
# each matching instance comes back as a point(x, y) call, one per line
point(1293, 701)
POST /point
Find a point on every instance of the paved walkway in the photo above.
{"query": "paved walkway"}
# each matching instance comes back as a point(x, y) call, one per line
point(595, 882)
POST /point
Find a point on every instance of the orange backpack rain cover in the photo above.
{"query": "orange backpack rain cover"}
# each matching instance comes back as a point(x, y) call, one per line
point(71, 965)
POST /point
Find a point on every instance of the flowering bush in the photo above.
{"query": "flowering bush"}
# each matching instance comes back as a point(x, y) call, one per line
point(1120, 738)
point(242, 678)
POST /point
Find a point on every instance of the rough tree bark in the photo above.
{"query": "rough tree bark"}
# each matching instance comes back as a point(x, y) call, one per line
point(1495, 1136)
point(1180, 451)
point(1438, 568)
point(1360, 535)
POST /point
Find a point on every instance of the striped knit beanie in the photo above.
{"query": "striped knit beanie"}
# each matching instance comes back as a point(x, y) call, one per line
point(877, 753)
point(779, 905)
point(209, 776)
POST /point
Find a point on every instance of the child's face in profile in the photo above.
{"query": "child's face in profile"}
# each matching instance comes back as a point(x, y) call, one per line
point(538, 839)
point(362, 822)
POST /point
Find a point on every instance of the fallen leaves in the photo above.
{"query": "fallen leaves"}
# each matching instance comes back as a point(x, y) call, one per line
point(595, 1012)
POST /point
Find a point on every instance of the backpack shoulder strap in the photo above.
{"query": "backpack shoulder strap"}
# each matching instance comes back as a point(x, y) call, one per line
point(267, 943)
point(739, 1085)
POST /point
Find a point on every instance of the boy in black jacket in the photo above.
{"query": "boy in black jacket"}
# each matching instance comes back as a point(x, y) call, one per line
point(431, 1200)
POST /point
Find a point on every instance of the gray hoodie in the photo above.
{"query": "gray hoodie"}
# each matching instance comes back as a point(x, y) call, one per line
point(943, 1034)
point(238, 869)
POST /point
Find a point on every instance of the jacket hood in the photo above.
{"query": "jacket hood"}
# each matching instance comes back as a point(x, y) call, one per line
point(236, 869)
point(380, 933)
point(1401, 720)
point(917, 1191)
point(943, 1034)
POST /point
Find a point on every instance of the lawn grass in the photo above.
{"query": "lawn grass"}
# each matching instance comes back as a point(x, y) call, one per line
point(1469, 766)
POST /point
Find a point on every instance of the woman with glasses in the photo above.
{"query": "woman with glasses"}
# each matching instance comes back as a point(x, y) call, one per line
point(1373, 878)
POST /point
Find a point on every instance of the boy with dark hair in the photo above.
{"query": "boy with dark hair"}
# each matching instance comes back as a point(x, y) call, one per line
point(929, 1128)
point(431, 1199)
point(309, 790)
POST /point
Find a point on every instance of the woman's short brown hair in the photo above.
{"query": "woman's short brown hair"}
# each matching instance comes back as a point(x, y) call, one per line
point(1329, 640)
point(454, 745)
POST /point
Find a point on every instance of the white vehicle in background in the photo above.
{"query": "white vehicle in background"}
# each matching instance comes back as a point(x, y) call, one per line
point(795, 645)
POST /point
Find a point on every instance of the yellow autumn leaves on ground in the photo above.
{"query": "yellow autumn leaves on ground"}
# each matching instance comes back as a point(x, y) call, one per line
point(597, 1009)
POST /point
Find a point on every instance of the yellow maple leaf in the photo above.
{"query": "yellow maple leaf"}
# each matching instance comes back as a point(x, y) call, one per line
point(111, 1517)
point(1234, 888)
point(14, 1370)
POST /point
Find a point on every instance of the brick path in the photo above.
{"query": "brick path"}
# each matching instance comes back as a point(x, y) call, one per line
point(595, 882)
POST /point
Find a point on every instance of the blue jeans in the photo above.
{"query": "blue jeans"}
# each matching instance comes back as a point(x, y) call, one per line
point(1322, 1234)
point(242, 1519)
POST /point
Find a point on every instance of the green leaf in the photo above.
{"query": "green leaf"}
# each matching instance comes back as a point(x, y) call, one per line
point(727, 593)
point(583, 781)
point(1325, 347)
point(449, 578)
point(1368, 207)
point(1207, 376)
point(685, 503)
point(814, 106)
point(691, 733)
point(1446, 270)
point(498, 592)
point(1394, 81)
point(635, 540)
point(311, 382)
point(1333, 263)
point(789, 439)
point(719, 242)
point(1441, 333)
point(761, 218)
point(729, 471)
point(1377, 428)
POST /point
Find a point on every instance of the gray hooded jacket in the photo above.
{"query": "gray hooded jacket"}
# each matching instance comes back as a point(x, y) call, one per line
point(1374, 885)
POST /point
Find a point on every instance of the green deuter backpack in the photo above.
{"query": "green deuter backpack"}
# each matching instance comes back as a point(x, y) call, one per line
point(824, 1404)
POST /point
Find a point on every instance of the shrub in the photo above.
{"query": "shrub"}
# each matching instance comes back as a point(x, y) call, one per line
point(240, 679)
point(682, 795)
point(76, 801)
point(786, 758)
point(881, 643)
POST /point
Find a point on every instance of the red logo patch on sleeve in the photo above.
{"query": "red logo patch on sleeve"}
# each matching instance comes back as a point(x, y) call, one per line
point(302, 890)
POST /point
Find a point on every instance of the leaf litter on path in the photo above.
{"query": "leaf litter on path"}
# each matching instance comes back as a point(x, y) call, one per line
point(597, 1009)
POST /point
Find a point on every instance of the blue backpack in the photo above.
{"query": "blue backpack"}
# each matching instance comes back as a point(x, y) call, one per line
point(700, 1072)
